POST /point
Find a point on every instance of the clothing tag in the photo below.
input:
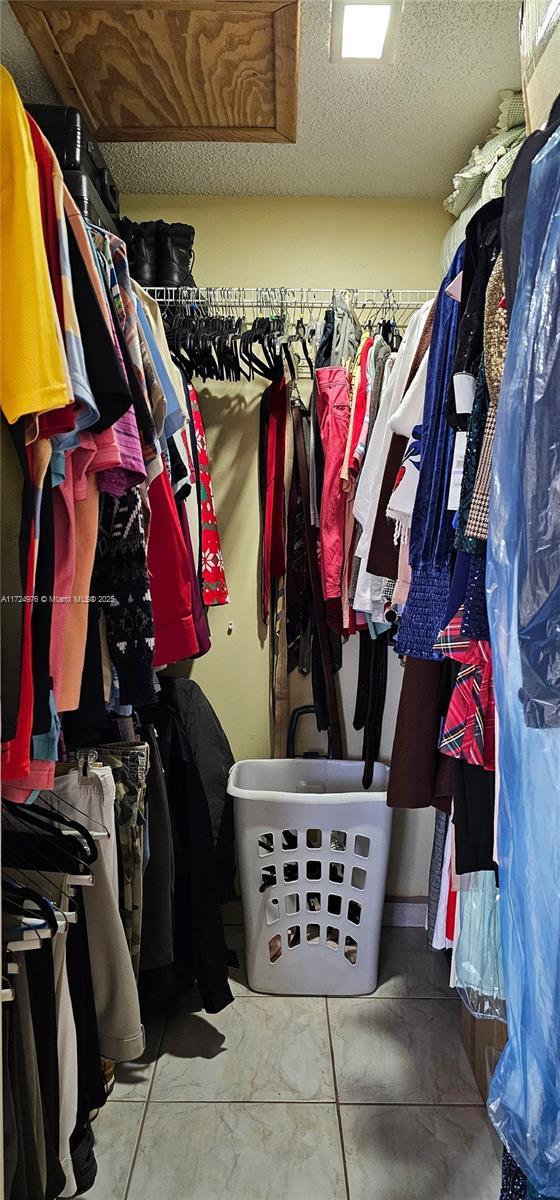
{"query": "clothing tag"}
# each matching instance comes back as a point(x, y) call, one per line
point(457, 471)
point(454, 289)
point(463, 386)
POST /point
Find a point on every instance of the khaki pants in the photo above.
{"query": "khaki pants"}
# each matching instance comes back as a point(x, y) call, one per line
point(121, 1036)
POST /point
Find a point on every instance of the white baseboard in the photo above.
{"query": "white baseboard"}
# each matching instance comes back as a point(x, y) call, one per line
point(411, 913)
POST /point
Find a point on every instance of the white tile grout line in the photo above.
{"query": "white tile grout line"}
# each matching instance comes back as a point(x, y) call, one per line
point(337, 1102)
point(250, 995)
point(325, 1103)
point(144, 1114)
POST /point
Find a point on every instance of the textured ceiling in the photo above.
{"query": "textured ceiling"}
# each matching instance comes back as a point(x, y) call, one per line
point(364, 129)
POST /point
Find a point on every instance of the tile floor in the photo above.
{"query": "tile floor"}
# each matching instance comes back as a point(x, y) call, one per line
point(281, 1098)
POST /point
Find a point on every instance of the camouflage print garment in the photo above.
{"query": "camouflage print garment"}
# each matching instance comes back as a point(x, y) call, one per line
point(129, 766)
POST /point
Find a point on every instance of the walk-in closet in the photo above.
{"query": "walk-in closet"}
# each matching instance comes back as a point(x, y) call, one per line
point(280, 599)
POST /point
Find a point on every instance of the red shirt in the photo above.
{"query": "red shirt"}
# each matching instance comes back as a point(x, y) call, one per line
point(361, 399)
point(168, 569)
point(16, 754)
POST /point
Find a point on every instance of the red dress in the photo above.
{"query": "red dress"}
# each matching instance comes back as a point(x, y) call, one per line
point(214, 586)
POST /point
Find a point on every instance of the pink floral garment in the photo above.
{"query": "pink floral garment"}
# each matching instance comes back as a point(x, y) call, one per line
point(214, 586)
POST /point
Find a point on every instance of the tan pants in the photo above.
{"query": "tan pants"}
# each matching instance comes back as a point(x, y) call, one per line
point(121, 1035)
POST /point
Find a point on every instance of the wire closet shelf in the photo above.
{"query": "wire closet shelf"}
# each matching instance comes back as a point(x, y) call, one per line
point(368, 303)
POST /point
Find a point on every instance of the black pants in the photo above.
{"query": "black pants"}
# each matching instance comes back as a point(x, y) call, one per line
point(473, 817)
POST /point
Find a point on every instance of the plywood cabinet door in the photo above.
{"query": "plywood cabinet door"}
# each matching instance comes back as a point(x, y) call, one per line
point(172, 70)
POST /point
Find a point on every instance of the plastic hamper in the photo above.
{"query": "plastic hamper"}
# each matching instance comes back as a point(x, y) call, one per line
point(312, 849)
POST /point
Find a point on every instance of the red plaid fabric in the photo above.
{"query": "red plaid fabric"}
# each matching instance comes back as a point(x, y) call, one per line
point(469, 729)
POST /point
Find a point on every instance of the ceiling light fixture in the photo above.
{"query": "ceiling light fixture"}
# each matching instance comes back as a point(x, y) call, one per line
point(364, 29)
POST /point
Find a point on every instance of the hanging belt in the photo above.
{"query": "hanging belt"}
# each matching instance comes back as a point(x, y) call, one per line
point(279, 636)
point(316, 588)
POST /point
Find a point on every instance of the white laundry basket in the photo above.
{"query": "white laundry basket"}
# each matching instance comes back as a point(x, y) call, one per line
point(312, 850)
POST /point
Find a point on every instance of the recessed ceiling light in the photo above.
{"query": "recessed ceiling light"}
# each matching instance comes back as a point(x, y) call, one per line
point(365, 29)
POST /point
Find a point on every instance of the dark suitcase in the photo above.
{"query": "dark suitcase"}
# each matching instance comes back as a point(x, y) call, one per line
point(88, 200)
point(77, 150)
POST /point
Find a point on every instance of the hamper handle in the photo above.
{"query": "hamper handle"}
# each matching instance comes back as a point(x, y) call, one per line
point(302, 711)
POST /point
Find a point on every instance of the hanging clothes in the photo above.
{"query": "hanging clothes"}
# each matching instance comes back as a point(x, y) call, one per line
point(199, 949)
point(214, 587)
point(333, 411)
point(477, 953)
point(214, 759)
point(495, 348)
point(272, 440)
point(468, 732)
point(515, 201)
point(98, 557)
point(522, 585)
point(420, 776)
point(431, 534)
point(34, 380)
point(168, 568)
point(371, 478)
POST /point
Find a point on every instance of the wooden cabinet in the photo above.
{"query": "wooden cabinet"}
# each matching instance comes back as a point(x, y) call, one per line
point(172, 70)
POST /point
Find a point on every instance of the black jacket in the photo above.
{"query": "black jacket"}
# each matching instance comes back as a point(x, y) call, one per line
point(214, 760)
point(199, 948)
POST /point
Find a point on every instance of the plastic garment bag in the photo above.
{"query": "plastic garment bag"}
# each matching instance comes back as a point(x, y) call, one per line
point(477, 956)
point(523, 589)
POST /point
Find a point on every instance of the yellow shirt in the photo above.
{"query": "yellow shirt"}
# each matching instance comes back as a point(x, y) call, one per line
point(32, 374)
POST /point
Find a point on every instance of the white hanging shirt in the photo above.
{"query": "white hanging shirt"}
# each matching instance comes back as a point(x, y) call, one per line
point(371, 478)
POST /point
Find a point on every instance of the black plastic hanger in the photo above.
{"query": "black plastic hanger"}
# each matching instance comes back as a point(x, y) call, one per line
point(45, 796)
point(14, 896)
point(81, 850)
point(79, 829)
point(29, 878)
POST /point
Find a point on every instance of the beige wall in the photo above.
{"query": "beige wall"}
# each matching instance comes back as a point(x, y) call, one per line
point(306, 241)
point(296, 243)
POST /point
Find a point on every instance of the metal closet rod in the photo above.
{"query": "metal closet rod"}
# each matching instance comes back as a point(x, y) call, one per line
point(263, 297)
